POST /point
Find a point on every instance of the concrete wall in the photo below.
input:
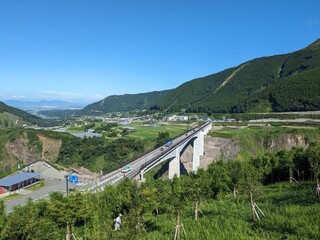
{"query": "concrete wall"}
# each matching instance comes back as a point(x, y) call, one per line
point(218, 148)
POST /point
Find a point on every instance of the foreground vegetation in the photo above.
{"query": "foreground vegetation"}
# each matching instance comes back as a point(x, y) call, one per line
point(150, 210)
point(291, 212)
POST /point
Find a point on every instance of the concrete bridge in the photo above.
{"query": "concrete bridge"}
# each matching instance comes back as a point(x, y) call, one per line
point(192, 140)
point(184, 154)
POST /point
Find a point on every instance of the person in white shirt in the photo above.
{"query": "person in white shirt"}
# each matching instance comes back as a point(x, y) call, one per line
point(117, 222)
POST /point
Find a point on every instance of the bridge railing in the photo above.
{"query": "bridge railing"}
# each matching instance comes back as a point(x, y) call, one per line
point(174, 146)
point(136, 159)
point(154, 148)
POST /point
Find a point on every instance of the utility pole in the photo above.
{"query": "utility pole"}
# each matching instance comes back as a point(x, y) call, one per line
point(68, 224)
point(67, 188)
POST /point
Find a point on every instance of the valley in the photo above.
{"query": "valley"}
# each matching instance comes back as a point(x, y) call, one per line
point(153, 158)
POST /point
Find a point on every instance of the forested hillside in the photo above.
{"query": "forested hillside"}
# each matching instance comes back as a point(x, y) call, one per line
point(13, 117)
point(119, 146)
point(288, 82)
point(122, 103)
point(211, 204)
point(280, 83)
point(25, 146)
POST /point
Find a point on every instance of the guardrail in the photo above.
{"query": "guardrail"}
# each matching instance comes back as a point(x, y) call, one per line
point(174, 145)
point(135, 172)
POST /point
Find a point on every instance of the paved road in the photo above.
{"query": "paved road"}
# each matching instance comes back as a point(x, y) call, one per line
point(52, 185)
point(136, 165)
point(111, 178)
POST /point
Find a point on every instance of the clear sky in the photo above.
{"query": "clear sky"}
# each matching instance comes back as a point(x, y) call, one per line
point(85, 50)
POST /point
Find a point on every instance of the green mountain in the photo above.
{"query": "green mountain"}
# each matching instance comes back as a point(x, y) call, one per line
point(288, 82)
point(123, 103)
point(14, 117)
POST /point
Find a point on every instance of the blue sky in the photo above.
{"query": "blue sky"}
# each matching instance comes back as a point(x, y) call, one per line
point(85, 50)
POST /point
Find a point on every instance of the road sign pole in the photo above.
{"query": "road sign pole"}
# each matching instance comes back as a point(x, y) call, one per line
point(67, 188)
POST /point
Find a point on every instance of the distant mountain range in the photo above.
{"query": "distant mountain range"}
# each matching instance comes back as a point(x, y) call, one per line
point(280, 83)
point(287, 82)
point(43, 104)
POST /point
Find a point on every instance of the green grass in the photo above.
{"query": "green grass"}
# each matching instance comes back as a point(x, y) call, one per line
point(146, 133)
point(291, 212)
point(149, 134)
point(11, 196)
point(36, 186)
point(75, 130)
point(152, 132)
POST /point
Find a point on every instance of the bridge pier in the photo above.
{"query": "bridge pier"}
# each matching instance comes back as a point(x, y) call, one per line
point(174, 165)
point(141, 178)
point(198, 150)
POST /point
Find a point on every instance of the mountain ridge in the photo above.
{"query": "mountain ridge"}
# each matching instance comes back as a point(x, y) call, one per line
point(57, 104)
point(10, 116)
point(122, 103)
point(237, 89)
point(247, 87)
point(252, 86)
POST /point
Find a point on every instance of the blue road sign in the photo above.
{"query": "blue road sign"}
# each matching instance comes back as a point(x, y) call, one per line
point(73, 179)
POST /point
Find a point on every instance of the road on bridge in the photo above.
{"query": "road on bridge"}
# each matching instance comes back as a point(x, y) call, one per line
point(111, 178)
point(116, 176)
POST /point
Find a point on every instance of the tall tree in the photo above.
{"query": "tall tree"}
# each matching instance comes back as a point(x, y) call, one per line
point(220, 178)
point(162, 138)
point(2, 219)
point(313, 153)
point(197, 187)
point(250, 183)
point(31, 222)
point(69, 210)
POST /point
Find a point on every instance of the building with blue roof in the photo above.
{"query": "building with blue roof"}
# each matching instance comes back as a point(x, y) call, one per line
point(19, 180)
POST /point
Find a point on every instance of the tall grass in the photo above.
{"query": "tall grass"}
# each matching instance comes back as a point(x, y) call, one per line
point(291, 212)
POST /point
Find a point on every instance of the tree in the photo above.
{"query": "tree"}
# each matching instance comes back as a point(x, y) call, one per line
point(177, 201)
point(235, 170)
point(220, 178)
point(69, 210)
point(125, 131)
point(149, 195)
point(31, 222)
point(100, 220)
point(177, 195)
point(2, 219)
point(136, 211)
point(197, 188)
point(289, 163)
point(313, 153)
point(162, 138)
point(250, 182)
point(163, 195)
